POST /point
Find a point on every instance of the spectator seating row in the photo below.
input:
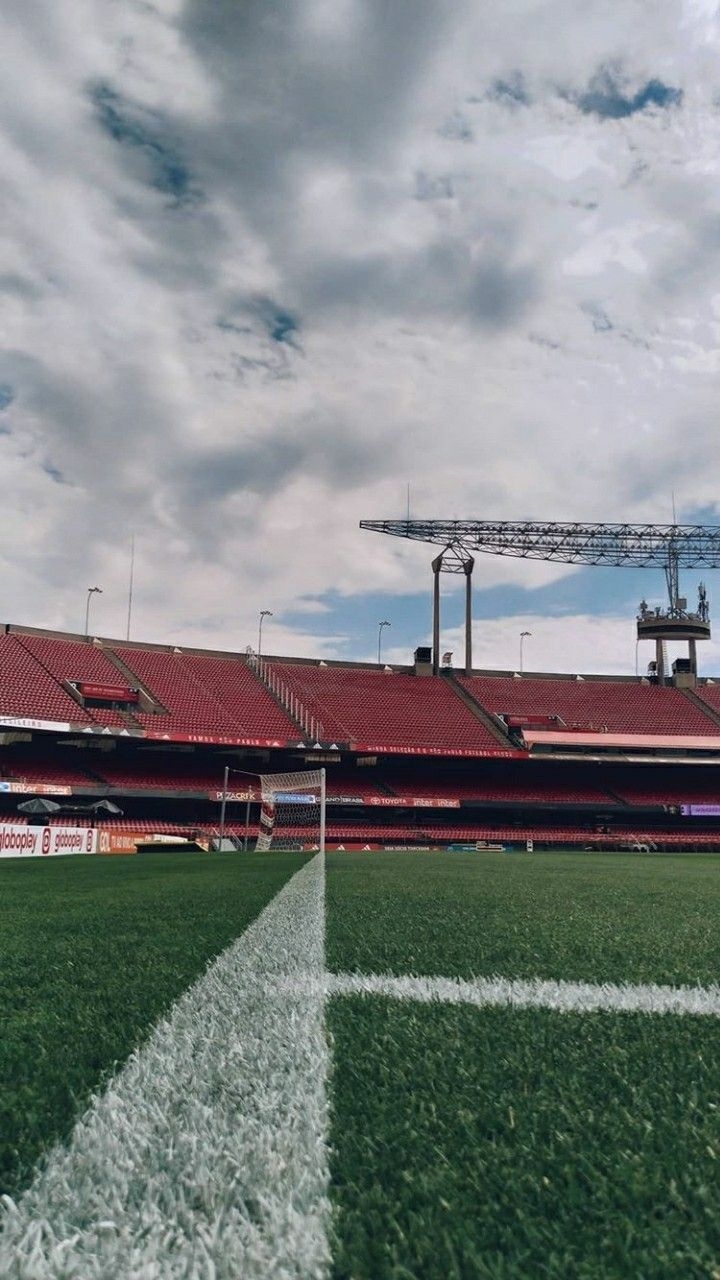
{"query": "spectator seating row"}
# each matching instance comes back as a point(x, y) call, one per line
point(357, 833)
point(513, 790)
point(664, 793)
point(74, 661)
point(16, 770)
point(194, 694)
point(247, 702)
point(615, 705)
point(393, 709)
point(520, 784)
point(214, 695)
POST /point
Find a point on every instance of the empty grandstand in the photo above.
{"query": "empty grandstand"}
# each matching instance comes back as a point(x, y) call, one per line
point(412, 758)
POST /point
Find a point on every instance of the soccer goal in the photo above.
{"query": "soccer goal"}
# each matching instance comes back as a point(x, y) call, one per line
point(292, 810)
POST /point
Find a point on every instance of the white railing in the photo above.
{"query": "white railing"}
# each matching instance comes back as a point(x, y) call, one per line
point(291, 703)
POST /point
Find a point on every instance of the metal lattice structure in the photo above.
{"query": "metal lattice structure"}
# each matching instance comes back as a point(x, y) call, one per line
point(669, 547)
point(642, 545)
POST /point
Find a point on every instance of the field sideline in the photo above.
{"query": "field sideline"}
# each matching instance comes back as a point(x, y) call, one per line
point(401, 1065)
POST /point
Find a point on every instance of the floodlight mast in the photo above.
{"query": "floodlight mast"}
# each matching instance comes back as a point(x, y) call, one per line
point(666, 546)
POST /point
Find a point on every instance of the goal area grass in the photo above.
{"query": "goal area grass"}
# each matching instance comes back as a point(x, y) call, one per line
point(492, 1140)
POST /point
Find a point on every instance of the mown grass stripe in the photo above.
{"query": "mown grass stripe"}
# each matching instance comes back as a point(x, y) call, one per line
point(537, 993)
point(506, 1143)
point(207, 1155)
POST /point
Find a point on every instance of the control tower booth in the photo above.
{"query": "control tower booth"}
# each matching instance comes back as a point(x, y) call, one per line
point(676, 623)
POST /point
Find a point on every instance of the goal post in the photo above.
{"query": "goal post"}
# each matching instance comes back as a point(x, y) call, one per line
point(292, 810)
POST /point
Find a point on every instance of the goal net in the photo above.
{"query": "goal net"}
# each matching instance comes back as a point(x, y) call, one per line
point(292, 810)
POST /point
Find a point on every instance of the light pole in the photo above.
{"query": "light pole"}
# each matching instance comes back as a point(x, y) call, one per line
point(523, 634)
point(90, 592)
point(380, 631)
point(264, 613)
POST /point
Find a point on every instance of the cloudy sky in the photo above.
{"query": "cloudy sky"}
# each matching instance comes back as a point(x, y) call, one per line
point(267, 267)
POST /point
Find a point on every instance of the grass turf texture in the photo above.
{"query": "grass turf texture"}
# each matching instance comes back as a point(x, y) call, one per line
point(589, 917)
point(500, 1143)
point(92, 952)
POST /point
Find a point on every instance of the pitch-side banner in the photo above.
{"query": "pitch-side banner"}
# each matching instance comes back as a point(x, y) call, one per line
point(386, 749)
point(18, 841)
point(35, 788)
point(412, 802)
point(26, 722)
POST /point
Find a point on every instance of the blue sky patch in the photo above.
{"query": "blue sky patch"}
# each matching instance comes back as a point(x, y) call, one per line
point(606, 99)
point(511, 90)
point(53, 473)
point(142, 130)
point(280, 323)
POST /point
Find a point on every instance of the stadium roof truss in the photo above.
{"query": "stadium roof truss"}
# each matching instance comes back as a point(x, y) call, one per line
point(666, 546)
point(644, 545)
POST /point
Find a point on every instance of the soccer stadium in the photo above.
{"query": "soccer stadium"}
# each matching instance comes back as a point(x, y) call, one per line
point(135, 740)
point(359, 680)
point(397, 971)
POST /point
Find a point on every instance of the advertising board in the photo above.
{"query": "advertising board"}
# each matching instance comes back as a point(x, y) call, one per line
point(20, 841)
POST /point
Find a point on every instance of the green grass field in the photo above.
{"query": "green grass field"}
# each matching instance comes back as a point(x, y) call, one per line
point(588, 917)
point(92, 952)
point(503, 1143)
point(489, 1142)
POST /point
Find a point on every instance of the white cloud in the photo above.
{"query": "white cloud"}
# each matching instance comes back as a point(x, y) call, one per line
point(578, 644)
point(261, 267)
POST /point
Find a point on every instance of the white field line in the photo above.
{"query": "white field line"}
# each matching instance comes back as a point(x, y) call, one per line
point(206, 1158)
point(535, 993)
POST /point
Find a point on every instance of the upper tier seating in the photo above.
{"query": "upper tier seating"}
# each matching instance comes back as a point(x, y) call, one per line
point(27, 690)
point(599, 705)
point(190, 708)
point(78, 660)
point(378, 708)
point(214, 696)
point(74, 660)
point(710, 694)
point(253, 710)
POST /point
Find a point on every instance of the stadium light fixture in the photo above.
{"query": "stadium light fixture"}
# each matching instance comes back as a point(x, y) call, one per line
point(264, 613)
point(90, 592)
point(380, 631)
point(523, 634)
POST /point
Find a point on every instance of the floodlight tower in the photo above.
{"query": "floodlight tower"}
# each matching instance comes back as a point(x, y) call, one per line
point(675, 623)
point(666, 546)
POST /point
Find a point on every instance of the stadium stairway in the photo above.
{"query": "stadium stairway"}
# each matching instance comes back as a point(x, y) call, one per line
point(617, 798)
point(148, 702)
point(260, 671)
point(703, 706)
point(489, 722)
